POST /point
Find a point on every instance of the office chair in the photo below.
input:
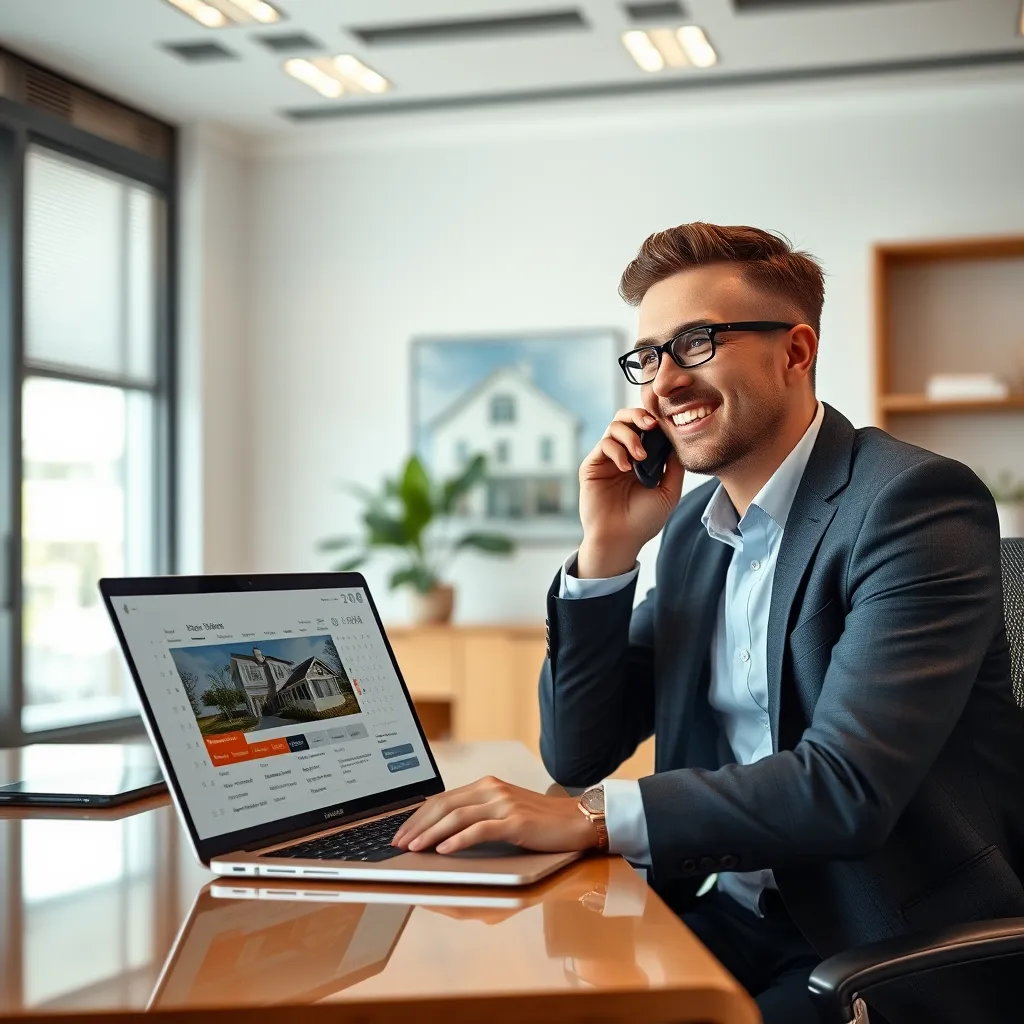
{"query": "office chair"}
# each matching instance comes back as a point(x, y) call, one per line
point(837, 983)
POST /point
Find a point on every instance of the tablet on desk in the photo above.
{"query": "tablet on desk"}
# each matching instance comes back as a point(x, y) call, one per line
point(80, 775)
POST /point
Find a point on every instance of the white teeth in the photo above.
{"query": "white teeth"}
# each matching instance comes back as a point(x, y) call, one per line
point(680, 419)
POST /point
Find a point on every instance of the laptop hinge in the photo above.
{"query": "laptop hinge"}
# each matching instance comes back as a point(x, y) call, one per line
point(324, 826)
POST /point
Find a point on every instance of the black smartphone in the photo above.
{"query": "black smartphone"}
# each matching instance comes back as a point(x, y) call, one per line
point(658, 448)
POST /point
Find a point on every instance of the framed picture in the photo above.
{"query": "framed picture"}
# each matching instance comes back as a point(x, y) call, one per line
point(533, 404)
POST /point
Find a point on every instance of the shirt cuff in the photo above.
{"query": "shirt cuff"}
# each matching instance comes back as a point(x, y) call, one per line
point(624, 818)
point(572, 588)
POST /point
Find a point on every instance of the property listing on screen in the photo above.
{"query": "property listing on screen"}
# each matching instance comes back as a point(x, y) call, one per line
point(272, 703)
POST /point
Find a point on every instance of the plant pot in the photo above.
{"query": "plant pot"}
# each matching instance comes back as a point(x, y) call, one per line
point(434, 607)
point(1011, 518)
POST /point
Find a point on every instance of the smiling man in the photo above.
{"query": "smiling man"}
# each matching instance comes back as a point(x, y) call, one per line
point(823, 660)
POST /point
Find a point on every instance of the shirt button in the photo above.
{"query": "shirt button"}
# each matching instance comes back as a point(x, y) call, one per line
point(744, 655)
point(755, 565)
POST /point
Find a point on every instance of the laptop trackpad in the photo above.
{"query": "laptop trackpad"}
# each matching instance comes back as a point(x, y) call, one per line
point(498, 849)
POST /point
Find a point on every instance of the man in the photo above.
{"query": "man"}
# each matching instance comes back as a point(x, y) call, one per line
point(823, 661)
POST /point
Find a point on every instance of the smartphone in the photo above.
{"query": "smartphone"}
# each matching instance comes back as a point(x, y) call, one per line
point(658, 448)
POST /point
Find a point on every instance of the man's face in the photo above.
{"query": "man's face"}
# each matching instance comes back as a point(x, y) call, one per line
point(742, 389)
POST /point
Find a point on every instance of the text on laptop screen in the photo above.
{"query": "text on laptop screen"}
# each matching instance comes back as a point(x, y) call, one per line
point(272, 703)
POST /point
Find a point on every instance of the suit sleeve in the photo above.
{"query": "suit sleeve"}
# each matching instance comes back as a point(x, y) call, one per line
point(924, 602)
point(597, 683)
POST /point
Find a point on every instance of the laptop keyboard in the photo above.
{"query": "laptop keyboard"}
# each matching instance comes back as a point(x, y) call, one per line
point(371, 841)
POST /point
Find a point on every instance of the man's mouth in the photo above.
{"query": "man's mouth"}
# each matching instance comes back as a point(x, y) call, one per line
point(692, 417)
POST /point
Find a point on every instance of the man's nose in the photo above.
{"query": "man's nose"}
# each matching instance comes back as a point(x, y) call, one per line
point(670, 377)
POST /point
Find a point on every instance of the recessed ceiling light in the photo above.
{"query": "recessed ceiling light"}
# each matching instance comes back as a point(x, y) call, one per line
point(696, 46)
point(309, 74)
point(218, 13)
point(658, 48)
point(647, 56)
point(332, 76)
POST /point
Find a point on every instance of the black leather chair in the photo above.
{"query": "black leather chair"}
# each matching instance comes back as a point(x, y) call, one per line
point(841, 986)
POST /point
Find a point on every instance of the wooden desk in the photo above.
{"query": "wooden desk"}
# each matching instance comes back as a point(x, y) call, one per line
point(91, 907)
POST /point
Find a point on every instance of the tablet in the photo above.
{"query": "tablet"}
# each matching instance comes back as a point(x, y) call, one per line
point(79, 775)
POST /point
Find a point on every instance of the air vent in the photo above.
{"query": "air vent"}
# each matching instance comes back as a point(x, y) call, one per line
point(293, 42)
point(477, 28)
point(36, 87)
point(48, 92)
point(200, 53)
point(671, 10)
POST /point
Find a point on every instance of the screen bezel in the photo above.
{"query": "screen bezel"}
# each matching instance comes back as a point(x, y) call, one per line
point(296, 825)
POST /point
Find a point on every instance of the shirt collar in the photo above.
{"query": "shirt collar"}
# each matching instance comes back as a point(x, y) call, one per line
point(775, 497)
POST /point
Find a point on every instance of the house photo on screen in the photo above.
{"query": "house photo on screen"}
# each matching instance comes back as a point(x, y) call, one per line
point(533, 405)
point(264, 684)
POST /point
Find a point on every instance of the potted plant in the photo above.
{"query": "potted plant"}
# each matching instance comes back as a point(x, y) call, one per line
point(1009, 496)
point(412, 517)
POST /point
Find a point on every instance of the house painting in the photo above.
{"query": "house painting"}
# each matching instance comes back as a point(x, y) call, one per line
point(271, 684)
point(530, 440)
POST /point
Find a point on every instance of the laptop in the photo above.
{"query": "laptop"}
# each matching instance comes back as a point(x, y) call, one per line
point(80, 775)
point(285, 729)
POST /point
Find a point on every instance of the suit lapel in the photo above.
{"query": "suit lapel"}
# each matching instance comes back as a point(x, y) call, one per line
point(814, 506)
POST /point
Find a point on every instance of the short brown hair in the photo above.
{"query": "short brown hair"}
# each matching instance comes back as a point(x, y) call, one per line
point(769, 262)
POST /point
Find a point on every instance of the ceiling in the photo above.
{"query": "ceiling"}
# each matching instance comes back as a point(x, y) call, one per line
point(119, 46)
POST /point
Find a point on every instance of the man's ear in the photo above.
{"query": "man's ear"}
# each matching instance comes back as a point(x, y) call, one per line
point(801, 350)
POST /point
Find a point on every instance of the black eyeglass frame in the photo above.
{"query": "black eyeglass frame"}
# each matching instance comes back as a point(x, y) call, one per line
point(713, 331)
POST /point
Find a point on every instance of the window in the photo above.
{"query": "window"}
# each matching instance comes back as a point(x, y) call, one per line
point(503, 409)
point(89, 428)
point(461, 452)
point(85, 374)
point(547, 449)
point(502, 453)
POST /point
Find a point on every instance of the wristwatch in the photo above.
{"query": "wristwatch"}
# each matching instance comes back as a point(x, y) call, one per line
point(591, 804)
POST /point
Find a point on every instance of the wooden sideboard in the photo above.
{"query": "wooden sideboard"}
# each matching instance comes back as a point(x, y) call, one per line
point(473, 683)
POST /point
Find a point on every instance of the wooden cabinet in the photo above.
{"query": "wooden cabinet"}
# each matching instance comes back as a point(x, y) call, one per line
point(474, 683)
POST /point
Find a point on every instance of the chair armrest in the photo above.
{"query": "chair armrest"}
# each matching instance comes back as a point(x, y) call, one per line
point(836, 982)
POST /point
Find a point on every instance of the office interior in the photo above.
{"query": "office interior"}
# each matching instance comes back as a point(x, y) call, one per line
point(256, 255)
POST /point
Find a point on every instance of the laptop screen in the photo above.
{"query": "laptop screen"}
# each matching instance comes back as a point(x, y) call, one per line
point(272, 703)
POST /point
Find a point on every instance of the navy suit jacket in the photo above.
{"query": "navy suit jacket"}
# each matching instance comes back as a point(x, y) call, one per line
point(893, 800)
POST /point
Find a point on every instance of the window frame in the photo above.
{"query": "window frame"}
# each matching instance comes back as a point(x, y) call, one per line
point(21, 127)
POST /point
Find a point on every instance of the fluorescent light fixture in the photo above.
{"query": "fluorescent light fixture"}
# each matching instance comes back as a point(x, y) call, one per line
point(218, 13)
point(332, 76)
point(356, 74)
point(696, 46)
point(206, 14)
point(642, 49)
point(309, 74)
point(667, 43)
point(658, 48)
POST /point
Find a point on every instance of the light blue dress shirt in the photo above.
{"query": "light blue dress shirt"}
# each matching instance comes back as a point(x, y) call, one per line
point(738, 691)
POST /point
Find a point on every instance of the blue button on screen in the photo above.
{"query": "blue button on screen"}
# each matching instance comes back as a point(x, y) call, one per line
point(400, 766)
point(403, 748)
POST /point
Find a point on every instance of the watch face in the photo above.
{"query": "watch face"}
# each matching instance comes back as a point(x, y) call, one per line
point(593, 800)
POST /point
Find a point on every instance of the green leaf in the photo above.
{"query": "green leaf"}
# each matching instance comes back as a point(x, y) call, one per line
point(491, 543)
point(415, 493)
point(384, 530)
point(415, 576)
point(361, 492)
point(351, 564)
point(461, 485)
point(336, 543)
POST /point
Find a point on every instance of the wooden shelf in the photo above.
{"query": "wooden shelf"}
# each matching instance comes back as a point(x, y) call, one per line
point(924, 404)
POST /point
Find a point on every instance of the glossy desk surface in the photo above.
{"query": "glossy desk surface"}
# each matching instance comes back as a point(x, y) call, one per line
point(107, 913)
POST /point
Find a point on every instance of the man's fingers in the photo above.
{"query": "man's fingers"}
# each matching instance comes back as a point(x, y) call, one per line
point(438, 806)
point(492, 830)
point(637, 417)
point(451, 824)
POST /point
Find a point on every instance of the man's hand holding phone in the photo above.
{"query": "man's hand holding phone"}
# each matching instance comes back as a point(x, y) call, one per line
point(620, 515)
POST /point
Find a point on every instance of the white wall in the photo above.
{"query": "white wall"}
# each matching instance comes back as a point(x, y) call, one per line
point(367, 236)
point(215, 455)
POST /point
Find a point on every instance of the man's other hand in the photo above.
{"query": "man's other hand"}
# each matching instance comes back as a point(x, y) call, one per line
point(494, 811)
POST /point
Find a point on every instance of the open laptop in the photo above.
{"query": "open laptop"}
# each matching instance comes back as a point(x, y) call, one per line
point(285, 730)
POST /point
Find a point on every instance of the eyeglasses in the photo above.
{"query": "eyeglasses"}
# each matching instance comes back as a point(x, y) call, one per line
point(690, 348)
